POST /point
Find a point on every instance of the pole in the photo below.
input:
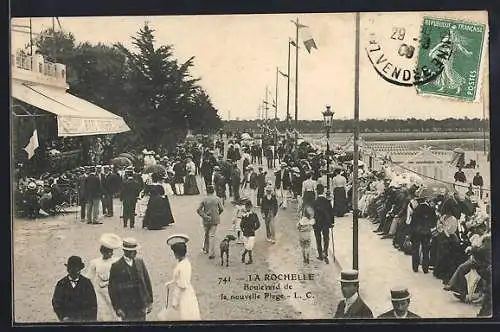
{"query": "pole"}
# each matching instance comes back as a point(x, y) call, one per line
point(53, 40)
point(266, 103)
point(276, 97)
point(355, 185)
point(288, 87)
point(296, 72)
point(484, 124)
point(31, 38)
point(327, 157)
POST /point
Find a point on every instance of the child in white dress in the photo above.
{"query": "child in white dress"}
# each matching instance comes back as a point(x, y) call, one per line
point(305, 226)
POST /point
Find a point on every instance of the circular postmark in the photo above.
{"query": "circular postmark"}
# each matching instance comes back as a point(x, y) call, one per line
point(393, 54)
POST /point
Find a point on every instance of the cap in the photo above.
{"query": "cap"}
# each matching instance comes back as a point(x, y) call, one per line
point(400, 294)
point(177, 238)
point(349, 276)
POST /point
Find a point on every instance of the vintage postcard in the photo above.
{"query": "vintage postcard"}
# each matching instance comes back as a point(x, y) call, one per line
point(251, 167)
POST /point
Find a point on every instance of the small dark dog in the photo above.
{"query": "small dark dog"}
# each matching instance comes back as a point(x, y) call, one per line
point(224, 248)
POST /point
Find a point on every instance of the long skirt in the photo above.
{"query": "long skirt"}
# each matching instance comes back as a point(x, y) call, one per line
point(190, 186)
point(339, 201)
point(158, 213)
point(308, 199)
point(105, 311)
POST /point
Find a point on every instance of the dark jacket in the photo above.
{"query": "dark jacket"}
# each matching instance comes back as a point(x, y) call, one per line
point(78, 304)
point(269, 205)
point(283, 177)
point(261, 180)
point(358, 309)
point(253, 180)
point(249, 224)
point(130, 288)
point(236, 176)
point(112, 183)
point(451, 207)
point(219, 185)
point(93, 187)
point(130, 190)
point(323, 213)
point(390, 314)
point(423, 219)
point(81, 187)
point(477, 180)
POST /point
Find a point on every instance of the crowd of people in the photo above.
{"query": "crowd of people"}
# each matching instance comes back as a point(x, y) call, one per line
point(444, 229)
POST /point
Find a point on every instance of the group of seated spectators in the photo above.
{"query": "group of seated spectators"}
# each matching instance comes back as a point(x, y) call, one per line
point(444, 230)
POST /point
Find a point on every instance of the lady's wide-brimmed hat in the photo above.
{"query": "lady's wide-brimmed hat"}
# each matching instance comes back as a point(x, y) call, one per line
point(111, 241)
point(130, 244)
point(76, 262)
point(177, 238)
point(400, 294)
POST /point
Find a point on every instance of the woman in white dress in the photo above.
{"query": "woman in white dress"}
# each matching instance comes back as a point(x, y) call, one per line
point(181, 302)
point(98, 273)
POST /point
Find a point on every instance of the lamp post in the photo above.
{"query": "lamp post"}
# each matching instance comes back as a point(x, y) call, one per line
point(328, 118)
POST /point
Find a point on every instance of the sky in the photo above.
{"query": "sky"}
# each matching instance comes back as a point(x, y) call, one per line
point(236, 57)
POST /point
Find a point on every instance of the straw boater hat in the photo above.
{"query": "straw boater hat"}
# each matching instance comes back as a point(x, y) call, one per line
point(130, 244)
point(177, 238)
point(32, 185)
point(111, 241)
point(349, 276)
point(400, 294)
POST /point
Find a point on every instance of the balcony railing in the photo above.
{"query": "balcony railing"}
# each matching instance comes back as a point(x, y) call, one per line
point(39, 65)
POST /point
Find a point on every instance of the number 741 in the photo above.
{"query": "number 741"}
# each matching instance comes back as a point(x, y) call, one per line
point(224, 280)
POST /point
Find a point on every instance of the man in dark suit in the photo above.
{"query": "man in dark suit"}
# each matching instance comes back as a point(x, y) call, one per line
point(129, 193)
point(400, 298)
point(352, 306)
point(93, 190)
point(283, 182)
point(82, 199)
point(324, 220)
point(129, 285)
point(460, 176)
point(422, 221)
point(219, 184)
point(112, 184)
point(74, 298)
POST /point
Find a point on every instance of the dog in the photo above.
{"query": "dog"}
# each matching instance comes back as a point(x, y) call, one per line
point(224, 248)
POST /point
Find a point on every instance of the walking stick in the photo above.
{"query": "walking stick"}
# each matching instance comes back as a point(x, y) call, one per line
point(333, 244)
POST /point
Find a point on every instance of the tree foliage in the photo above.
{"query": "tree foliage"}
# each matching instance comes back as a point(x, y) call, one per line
point(154, 93)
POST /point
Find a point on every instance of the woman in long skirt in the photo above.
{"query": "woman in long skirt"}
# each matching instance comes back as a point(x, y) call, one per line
point(158, 213)
point(339, 194)
point(98, 273)
point(308, 192)
point(190, 185)
point(181, 301)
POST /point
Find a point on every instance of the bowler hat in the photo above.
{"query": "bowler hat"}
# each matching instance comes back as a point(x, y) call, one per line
point(130, 244)
point(76, 262)
point(349, 276)
point(400, 294)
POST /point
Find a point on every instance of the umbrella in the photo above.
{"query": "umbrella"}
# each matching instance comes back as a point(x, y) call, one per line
point(159, 169)
point(127, 155)
point(121, 162)
point(433, 190)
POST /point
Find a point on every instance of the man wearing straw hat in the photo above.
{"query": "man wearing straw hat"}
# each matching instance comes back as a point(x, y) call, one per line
point(129, 284)
point(352, 306)
point(400, 298)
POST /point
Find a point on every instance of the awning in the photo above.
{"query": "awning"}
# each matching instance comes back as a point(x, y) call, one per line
point(75, 116)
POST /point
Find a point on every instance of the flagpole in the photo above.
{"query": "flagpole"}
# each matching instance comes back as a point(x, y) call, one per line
point(31, 38)
point(355, 184)
point(276, 97)
point(54, 39)
point(288, 87)
point(266, 103)
point(296, 71)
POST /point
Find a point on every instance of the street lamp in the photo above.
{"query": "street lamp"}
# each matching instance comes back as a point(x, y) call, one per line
point(328, 118)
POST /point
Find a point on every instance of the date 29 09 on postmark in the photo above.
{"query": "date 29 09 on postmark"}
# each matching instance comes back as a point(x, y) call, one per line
point(456, 48)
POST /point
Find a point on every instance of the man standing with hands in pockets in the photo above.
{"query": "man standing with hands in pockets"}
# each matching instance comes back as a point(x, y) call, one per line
point(210, 210)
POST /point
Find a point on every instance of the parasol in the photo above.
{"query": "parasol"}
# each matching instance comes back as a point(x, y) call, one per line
point(433, 190)
point(121, 162)
point(157, 168)
point(127, 155)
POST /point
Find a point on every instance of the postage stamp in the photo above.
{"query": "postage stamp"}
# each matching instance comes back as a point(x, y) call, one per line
point(457, 49)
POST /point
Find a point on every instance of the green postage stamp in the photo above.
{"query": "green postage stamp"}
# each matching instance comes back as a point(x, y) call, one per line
point(455, 49)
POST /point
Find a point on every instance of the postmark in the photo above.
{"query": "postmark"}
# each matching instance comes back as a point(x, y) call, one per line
point(393, 52)
point(458, 46)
